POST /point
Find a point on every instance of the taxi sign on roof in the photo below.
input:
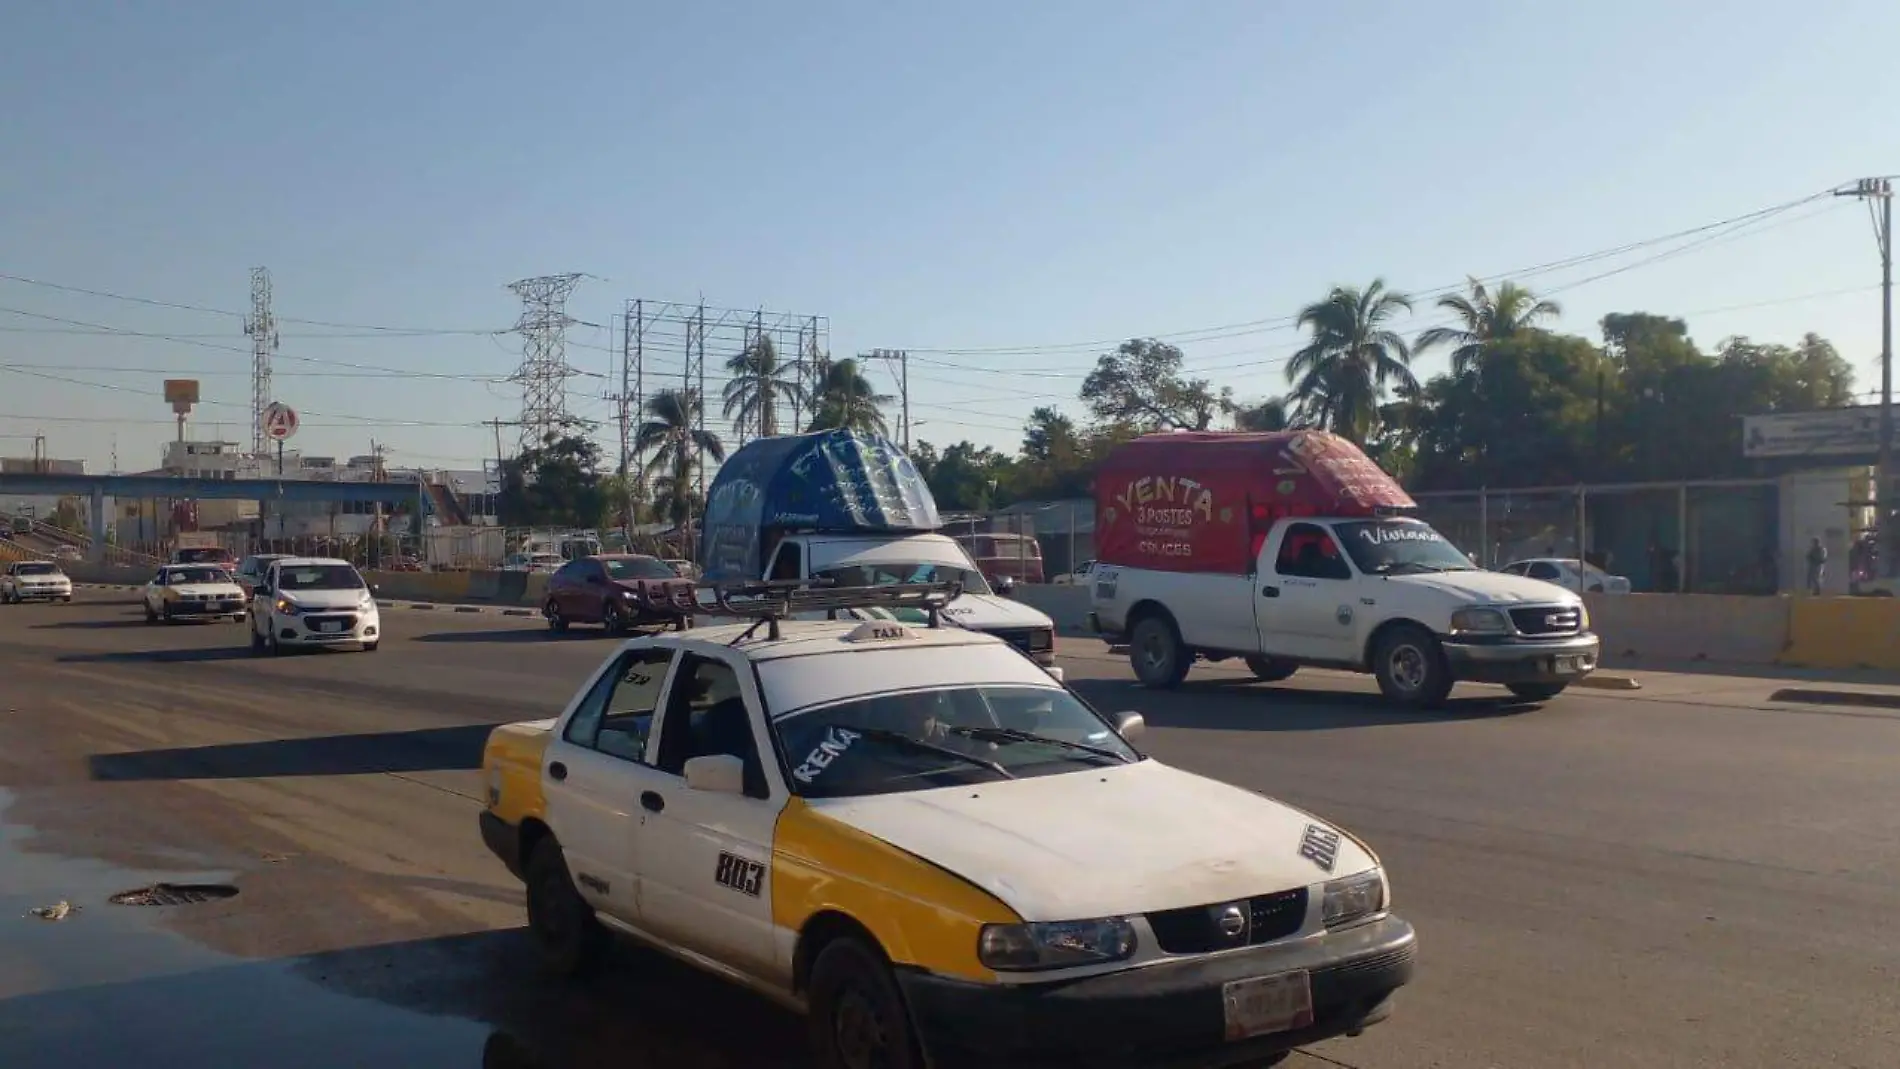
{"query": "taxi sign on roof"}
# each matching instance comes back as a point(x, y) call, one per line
point(880, 631)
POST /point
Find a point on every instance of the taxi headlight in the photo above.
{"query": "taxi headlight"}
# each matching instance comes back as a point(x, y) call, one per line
point(1475, 621)
point(1352, 899)
point(1055, 944)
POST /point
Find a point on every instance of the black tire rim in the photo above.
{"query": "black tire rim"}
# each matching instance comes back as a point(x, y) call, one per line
point(857, 1029)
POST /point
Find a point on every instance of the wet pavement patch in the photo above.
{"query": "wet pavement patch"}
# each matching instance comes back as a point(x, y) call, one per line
point(174, 894)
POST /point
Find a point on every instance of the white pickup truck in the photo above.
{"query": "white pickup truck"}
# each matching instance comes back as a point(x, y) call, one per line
point(1383, 595)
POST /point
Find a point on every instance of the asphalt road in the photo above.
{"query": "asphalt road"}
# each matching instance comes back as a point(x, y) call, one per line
point(1653, 881)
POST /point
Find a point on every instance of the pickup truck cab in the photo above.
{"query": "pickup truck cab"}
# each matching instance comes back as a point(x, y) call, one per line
point(934, 850)
point(1385, 595)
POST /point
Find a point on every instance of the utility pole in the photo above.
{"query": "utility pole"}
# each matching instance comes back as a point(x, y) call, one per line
point(1878, 193)
point(262, 327)
point(899, 359)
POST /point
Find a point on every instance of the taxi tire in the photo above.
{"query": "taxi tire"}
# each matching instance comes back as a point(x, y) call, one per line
point(572, 941)
point(150, 616)
point(1434, 685)
point(1271, 669)
point(852, 987)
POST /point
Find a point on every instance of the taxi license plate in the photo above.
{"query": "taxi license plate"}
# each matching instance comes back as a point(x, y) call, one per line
point(331, 626)
point(1265, 1004)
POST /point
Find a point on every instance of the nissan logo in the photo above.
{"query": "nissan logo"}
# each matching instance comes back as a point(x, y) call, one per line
point(1231, 921)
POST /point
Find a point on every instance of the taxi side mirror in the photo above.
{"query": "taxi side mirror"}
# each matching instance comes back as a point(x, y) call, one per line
point(1130, 724)
point(721, 773)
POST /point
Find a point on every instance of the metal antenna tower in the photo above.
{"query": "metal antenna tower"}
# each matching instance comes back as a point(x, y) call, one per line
point(262, 327)
point(544, 372)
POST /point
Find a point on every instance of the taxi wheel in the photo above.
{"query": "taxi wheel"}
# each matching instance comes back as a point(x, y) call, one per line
point(858, 1020)
point(1271, 669)
point(1411, 668)
point(572, 940)
point(150, 616)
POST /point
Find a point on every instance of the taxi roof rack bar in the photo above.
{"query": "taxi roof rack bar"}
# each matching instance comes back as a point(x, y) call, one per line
point(771, 600)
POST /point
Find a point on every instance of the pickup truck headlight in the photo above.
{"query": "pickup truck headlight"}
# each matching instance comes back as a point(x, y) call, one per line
point(1352, 899)
point(1055, 944)
point(1475, 621)
point(1583, 616)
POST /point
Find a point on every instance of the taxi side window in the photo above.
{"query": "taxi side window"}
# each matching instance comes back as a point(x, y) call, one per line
point(616, 717)
point(705, 715)
point(1309, 552)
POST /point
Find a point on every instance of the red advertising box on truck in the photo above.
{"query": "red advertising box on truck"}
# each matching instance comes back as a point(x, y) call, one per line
point(1203, 501)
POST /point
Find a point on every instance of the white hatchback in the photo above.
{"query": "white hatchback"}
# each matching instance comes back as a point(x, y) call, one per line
point(313, 601)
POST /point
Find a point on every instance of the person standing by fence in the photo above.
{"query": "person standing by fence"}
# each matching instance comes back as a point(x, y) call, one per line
point(1817, 565)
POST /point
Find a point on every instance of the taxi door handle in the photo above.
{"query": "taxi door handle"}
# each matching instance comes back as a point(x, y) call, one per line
point(651, 801)
point(557, 770)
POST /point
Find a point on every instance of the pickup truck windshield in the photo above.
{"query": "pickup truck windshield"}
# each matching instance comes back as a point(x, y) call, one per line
point(920, 739)
point(319, 577)
point(1386, 547)
point(888, 573)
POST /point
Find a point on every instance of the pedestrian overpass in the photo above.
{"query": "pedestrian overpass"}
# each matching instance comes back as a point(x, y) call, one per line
point(96, 488)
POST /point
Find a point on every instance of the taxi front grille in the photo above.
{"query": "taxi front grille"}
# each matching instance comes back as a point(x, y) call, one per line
point(1197, 929)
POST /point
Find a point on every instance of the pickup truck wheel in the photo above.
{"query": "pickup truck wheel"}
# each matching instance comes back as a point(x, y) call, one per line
point(1271, 669)
point(572, 940)
point(1536, 692)
point(1411, 668)
point(1157, 654)
point(858, 1019)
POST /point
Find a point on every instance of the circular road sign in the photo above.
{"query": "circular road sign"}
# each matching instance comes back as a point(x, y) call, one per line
point(280, 421)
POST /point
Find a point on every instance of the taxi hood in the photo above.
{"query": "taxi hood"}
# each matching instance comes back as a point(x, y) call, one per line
point(1103, 842)
point(208, 589)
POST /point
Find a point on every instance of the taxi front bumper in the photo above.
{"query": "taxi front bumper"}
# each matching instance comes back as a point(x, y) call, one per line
point(1564, 660)
point(44, 592)
point(1168, 1015)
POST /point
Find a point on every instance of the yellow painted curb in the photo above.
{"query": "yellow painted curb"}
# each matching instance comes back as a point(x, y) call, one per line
point(1609, 681)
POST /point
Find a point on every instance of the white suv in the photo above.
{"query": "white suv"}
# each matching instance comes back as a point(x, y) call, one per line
point(313, 601)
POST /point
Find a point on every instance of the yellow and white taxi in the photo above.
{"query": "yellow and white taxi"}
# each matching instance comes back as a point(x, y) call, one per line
point(192, 592)
point(920, 839)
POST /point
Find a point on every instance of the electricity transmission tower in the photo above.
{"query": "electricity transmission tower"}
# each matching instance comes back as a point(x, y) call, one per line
point(262, 327)
point(544, 371)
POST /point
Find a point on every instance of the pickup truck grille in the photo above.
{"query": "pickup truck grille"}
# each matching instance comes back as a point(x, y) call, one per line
point(1547, 620)
point(1196, 930)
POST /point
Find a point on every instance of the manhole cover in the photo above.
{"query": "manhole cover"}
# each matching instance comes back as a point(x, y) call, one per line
point(174, 894)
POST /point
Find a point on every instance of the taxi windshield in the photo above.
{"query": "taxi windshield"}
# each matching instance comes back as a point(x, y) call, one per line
point(182, 576)
point(35, 568)
point(915, 740)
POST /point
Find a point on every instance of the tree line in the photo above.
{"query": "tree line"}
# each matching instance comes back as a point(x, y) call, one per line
point(1521, 404)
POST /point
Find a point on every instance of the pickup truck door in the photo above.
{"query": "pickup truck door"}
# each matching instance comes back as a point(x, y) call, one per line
point(593, 773)
point(706, 856)
point(1308, 604)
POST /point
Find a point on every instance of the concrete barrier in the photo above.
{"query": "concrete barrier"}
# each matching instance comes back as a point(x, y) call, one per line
point(1844, 633)
point(1691, 627)
point(107, 574)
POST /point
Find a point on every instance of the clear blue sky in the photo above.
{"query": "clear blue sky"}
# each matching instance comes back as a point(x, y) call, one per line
point(973, 176)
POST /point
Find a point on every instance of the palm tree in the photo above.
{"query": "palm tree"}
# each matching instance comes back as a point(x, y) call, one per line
point(847, 400)
point(760, 383)
point(673, 435)
point(1269, 415)
point(1485, 317)
point(1340, 377)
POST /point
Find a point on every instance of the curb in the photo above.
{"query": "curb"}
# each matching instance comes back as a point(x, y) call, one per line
point(1609, 681)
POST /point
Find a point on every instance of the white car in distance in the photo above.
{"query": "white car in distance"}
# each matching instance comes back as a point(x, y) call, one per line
point(1565, 573)
point(34, 580)
point(313, 601)
point(192, 592)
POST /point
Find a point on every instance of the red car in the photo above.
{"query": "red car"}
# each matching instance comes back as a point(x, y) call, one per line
point(602, 590)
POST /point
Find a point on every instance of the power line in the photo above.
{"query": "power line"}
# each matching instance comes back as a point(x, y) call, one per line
point(199, 308)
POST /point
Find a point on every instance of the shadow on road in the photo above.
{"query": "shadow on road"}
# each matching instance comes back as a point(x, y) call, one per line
point(128, 620)
point(445, 1003)
point(1241, 704)
point(505, 635)
point(425, 750)
point(240, 650)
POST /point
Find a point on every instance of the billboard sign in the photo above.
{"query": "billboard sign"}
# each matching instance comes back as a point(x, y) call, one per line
point(280, 421)
point(1852, 431)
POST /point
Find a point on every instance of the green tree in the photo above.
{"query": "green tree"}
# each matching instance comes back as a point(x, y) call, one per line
point(1049, 437)
point(759, 385)
point(677, 445)
point(1353, 356)
point(1485, 317)
point(1271, 414)
point(846, 399)
point(1141, 383)
point(967, 477)
point(555, 483)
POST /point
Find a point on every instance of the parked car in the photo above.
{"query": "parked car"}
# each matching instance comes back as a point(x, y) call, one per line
point(1563, 572)
point(1078, 577)
point(540, 563)
point(604, 590)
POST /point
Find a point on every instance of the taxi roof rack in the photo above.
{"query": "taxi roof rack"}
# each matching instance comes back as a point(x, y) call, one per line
point(768, 601)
